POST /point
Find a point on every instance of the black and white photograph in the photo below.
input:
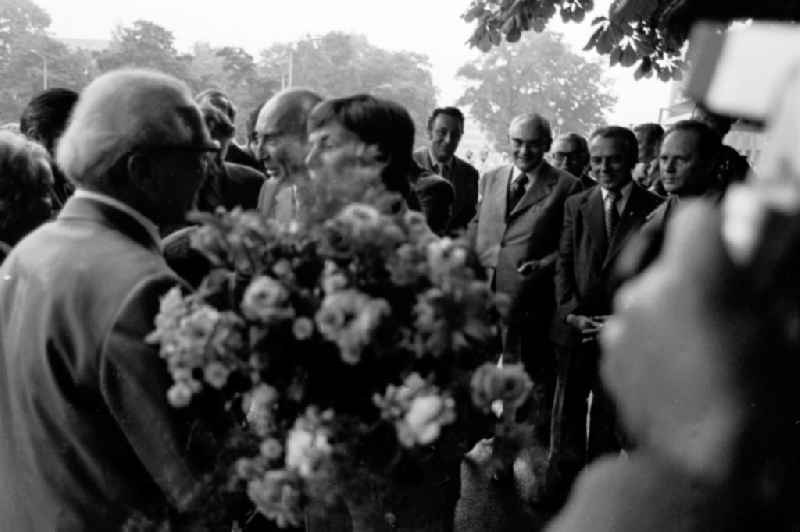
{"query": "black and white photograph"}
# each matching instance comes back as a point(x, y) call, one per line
point(399, 266)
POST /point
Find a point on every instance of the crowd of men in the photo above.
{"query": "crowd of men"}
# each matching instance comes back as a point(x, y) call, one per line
point(87, 434)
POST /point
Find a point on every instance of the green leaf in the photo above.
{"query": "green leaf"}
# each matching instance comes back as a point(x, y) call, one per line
point(509, 25)
point(616, 55)
point(514, 35)
point(593, 39)
point(605, 42)
point(645, 69)
point(628, 57)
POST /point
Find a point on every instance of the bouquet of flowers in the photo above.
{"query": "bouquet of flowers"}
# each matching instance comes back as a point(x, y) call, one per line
point(354, 351)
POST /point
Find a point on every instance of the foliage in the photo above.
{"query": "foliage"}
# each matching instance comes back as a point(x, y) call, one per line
point(539, 74)
point(339, 64)
point(233, 71)
point(23, 35)
point(147, 45)
point(348, 345)
point(648, 32)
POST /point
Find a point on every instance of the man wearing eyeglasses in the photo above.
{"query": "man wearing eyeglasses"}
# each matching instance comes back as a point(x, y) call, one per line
point(571, 154)
point(516, 234)
point(88, 438)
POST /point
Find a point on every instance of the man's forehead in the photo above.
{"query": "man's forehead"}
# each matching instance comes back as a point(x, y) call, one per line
point(681, 142)
point(443, 120)
point(527, 130)
point(268, 122)
point(566, 145)
point(606, 145)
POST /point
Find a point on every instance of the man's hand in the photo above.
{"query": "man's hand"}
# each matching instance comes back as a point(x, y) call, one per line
point(526, 269)
point(588, 326)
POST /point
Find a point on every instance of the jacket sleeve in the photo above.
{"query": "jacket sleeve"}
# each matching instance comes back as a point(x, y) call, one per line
point(134, 382)
point(472, 228)
point(566, 292)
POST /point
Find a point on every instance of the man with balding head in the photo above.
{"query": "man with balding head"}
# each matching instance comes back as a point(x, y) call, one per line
point(516, 234)
point(282, 147)
point(88, 437)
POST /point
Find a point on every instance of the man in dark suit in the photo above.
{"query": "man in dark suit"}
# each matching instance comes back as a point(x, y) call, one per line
point(445, 128)
point(515, 234)
point(597, 224)
point(88, 437)
point(227, 184)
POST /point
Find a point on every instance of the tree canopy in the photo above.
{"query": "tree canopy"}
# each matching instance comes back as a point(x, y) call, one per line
point(335, 64)
point(539, 74)
point(24, 47)
point(340, 64)
point(144, 44)
point(647, 33)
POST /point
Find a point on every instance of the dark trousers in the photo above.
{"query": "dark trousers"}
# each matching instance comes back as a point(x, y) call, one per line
point(528, 343)
point(583, 423)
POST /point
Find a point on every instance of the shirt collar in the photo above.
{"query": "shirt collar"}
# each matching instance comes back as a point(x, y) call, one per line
point(437, 164)
point(145, 222)
point(532, 174)
point(624, 194)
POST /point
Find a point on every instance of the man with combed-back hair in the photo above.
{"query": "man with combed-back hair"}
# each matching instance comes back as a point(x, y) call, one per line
point(88, 437)
point(445, 128)
point(44, 120)
point(598, 223)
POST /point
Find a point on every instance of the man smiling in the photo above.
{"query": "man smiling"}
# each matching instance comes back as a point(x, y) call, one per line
point(516, 234)
point(597, 224)
point(282, 147)
point(445, 128)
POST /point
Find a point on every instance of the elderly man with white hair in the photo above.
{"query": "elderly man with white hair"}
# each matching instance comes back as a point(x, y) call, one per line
point(87, 437)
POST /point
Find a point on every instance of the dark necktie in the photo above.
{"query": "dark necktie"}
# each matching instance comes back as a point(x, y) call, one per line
point(444, 171)
point(516, 192)
point(612, 213)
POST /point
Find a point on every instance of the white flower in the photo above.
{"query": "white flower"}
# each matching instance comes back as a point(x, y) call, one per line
point(424, 420)
point(302, 328)
point(305, 449)
point(271, 448)
point(266, 300)
point(360, 218)
point(179, 394)
point(216, 374)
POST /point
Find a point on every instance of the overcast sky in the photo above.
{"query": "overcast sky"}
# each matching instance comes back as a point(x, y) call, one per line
point(432, 27)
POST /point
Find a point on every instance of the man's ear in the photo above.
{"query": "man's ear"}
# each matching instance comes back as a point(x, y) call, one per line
point(139, 172)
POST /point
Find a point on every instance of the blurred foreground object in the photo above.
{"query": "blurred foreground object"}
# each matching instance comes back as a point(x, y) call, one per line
point(740, 72)
point(700, 358)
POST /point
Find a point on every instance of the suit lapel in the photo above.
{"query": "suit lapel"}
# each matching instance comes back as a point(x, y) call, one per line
point(595, 217)
point(499, 194)
point(539, 189)
point(626, 223)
